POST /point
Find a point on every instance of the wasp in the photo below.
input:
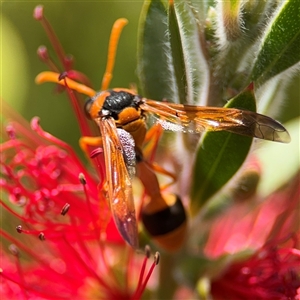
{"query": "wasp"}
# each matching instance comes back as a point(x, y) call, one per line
point(120, 114)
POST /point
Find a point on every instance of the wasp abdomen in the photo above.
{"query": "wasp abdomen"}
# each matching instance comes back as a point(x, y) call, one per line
point(167, 225)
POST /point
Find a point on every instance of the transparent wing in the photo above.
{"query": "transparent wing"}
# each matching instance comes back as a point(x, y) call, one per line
point(188, 118)
point(119, 183)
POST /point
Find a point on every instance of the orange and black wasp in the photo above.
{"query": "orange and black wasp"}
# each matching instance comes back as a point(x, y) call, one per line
point(120, 114)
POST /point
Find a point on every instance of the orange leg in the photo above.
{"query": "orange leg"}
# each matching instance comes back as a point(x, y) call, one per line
point(158, 169)
point(151, 140)
point(87, 144)
point(89, 141)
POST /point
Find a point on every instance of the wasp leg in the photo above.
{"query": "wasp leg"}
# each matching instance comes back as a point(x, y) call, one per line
point(86, 142)
point(151, 143)
point(158, 169)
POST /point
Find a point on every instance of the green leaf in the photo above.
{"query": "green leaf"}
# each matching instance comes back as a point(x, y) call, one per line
point(154, 58)
point(171, 63)
point(188, 51)
point(177, 56)
point(219, 157)
point(232, 19)
point(281, 43)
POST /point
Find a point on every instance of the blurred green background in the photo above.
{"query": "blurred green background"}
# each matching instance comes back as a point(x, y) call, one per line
point(83, 29)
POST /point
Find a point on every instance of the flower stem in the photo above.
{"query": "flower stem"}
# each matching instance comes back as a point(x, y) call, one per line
point(167, 285)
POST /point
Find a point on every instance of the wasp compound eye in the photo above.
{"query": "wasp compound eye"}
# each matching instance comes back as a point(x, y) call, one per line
point(87, 107)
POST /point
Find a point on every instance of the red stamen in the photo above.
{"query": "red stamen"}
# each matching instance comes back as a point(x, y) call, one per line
point(82, 262)
point(79, 76)
point(39, 16)
point(68, 61)
point(96, 152)
point(65, 209)
point(19, 229)
point(20, 245)
point(42, 236)
point(147, 255)
point(10, 132)
point(30, 221)
point(20, 126)
point(142, 284)
point(83, 125)
point(87, 197)
point(97, 155)
point(37, 128)
point(272, 273)
point(15, 251)
point(43, 54)
point(38, 12)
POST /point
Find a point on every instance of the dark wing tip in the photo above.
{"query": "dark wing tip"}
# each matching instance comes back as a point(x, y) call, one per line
point(282, 136)
point(127, 227)
point(268, 129)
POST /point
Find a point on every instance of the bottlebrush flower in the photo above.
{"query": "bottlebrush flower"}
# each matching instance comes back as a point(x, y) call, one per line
point(259, 249)
point(258, 220)
point(67, 246)
point(271, 273)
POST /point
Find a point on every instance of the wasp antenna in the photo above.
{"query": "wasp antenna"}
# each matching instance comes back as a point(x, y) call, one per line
point(112, 49)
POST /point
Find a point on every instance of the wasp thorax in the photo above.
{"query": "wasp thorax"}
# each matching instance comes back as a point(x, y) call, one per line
point(117, 101)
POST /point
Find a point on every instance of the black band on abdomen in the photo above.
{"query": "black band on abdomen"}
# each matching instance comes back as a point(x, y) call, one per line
point(166, 220)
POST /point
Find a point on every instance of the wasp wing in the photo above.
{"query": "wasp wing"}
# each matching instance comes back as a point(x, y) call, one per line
point(195, 119)
point(119, 182)
point(128, 147)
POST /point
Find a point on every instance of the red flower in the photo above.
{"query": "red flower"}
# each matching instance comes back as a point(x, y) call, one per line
point(271, 273)
point(71, 248)
point(260, 248)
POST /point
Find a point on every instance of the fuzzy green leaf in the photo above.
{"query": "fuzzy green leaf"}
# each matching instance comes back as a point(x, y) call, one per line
point(153, 52)
point(177, 55)
point(280, 47)
point(219, 157)
point(171, 63)
point(190, 65)
point(232, 21)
